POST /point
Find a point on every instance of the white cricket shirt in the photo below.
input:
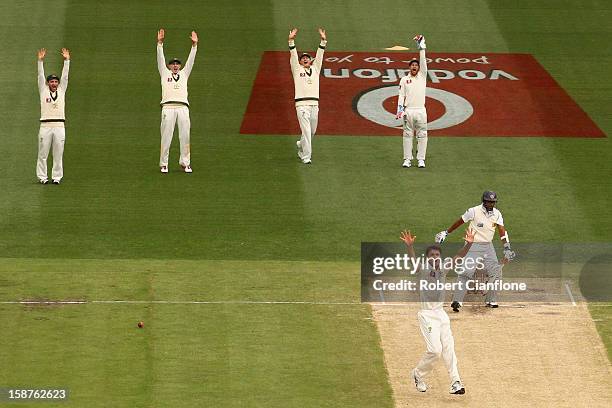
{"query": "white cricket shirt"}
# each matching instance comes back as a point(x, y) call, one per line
point(52, 104)
point(412, 88)
point(483, 222)
point(306, 80)
point(174, 86)
point(432, 299)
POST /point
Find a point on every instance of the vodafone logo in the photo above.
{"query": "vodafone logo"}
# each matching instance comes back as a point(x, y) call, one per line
point(370, 106)
point(468, 95)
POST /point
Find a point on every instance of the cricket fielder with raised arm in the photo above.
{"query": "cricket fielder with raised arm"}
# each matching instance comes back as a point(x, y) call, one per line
point(306, 72)
point(484, 219)
point(433, 320)
point(411, 106)
point(52, 133)
point(174, 103)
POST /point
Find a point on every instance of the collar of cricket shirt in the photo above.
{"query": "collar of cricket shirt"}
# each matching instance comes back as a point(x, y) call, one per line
point(487, 213)
point(308, 71)
point(52, 96)
point(177, 77)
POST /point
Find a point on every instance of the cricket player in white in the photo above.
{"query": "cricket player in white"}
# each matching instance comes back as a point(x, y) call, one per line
point(306, 72)
point(411, 106)
point(175, 106)
point(484, 219)
point(433, 320)
point(52, 133)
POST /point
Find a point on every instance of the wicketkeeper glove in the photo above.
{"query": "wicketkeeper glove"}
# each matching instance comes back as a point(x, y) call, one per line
point(400, 112)
point(441, 236)
point(420, 42)
point(509, 254)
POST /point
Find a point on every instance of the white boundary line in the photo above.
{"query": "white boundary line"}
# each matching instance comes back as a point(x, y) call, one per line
point(569, 292)
point(171, 302)
point(229, 302)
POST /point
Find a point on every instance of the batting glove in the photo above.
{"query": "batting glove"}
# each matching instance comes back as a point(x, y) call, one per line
point(441, 236)
point(400, 112)
point(509, 254)
point(420, 42)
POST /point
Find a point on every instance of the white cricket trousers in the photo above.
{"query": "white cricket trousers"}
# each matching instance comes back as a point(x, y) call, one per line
point(308, 116)
point(170, 116)
point(435, 327)
point(415, 123)
point(50, 137)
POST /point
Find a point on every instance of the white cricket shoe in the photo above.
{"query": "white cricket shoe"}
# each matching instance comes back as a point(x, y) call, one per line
point(45, 181)
point(163, 169)
point(421, 164)
point(418, 383)
point(494, 305)
point(307, 161)
point(406, 163)
point(457, 388)
point(187, 169)
point(55, 181)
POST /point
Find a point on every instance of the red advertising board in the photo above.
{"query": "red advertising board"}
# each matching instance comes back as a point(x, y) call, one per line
point(467, 95)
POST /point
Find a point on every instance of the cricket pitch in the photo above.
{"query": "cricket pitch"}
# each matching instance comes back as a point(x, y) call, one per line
point(530, 354)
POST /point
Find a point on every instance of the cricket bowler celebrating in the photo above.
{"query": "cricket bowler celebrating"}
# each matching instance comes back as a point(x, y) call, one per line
point(306, 72)
point(175, 106)
point(411, 106)
point(483, 219)
point(433, 320)
point(52, 133)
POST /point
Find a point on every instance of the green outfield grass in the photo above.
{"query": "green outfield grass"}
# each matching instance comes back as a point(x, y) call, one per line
point(320, 353)
point(252, 223)
point(603, 320)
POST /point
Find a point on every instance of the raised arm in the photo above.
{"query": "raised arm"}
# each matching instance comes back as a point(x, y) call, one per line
point(318, 62)
point(293, 59)
point(192, 54)
point(423, 61)
point(64, 80)
point(161, 60)
point(420, 41)
point(41, 69)
point(409, 239)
